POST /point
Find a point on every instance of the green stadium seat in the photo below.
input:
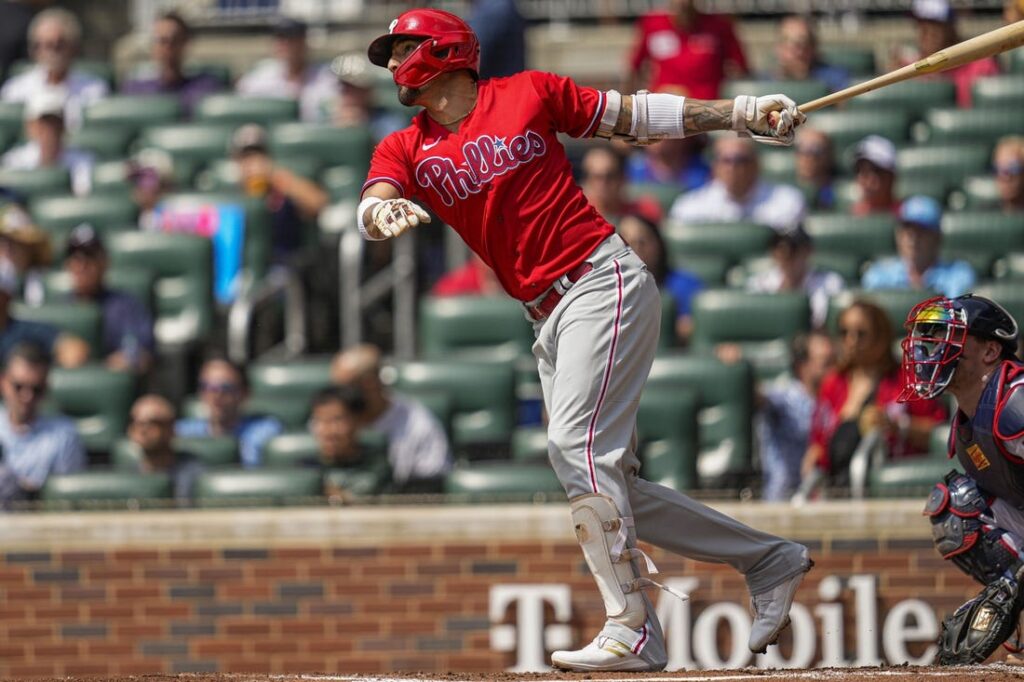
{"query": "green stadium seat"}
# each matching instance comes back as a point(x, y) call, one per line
point(183, 267)
point(982, 237)
point(73, 317)
point(60, 215)
point(215, 452)
point(1008, 293)
point(291, 449)
point(664, 194)
point(224, 175)
point(136, 281)
point(7, 139)
point(494, 480)
point(895, 302)
point(473, 323)
point(667, 328)
point(980, 193)
point(1015, 60)
point(373, 478)
point(240, 109)
point(725, 395)
point(73, 490)
point(482, 396)
point(859, 61)
point(846, 128)
point(982, 126)
point(530, 444)
point(998, 91)
point(98, 399)
point(258, 487)
point(861, 236)
point(847, 266)
point(732, 241)
point(800, 91)
point(847, 192)
point(1010, 267)
point(12, 119)
point(668, 434)
point(103, 143)
point(218, 70)
point(947, 163)
point(711, 270)
point(777, 164)
point(761, 324)
point(914, 97)
point(285, 389)
point(330, 145)
point(38, 182)
point(132, 112)
point(912, 477)
point(100, 68)
point(342, 182)
point(191, 142)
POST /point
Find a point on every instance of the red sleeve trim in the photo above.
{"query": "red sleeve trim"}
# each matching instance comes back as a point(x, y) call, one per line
point(595, 122)
point(383, 178)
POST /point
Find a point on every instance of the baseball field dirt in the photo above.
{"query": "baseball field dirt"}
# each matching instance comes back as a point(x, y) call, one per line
point(995, 672)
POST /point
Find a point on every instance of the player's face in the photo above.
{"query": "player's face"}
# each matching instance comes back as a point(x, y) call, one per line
point(400, 51)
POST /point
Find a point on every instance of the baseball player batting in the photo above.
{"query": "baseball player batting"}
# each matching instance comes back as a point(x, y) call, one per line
point(967, 346)
point(483, 154)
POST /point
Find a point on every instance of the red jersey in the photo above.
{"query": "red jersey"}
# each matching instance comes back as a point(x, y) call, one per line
point(503, 181)
point(683, 62)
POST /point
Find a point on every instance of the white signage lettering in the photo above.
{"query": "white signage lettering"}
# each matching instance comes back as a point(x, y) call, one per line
point(529, 637)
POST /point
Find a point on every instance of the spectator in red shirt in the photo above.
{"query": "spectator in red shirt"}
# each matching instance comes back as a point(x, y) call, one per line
point(874, 163)
point(859, 396)
point(688, 52)
point(473, 278)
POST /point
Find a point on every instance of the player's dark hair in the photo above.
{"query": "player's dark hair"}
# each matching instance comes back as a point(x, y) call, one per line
point(29, 353)
point(178, 20)
point(349, 396)
point(659, 268)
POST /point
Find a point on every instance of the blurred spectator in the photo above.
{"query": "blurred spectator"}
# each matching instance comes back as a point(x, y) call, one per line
point(335, 420)
point(289, 75)
point(815, 169)
point(783, 420)
point(290, 198)
point(603, 181)
point(170, 40)
point(737, 193)
point(936, 30)
point(223, 390)
point(418, 448)
point(127, 339)
point(688, 52)
point(25, 247)
point(54, 38)
point(354, 105)
point(13, 33)
point(474, 278)
point(67, 349)
point(671, 162)
point(792, 270)
point(645, 239)
point(797, 57)
point(151, 173)
point(44, 128)
point(35, 446)
point(858, 397)
point(875, 167)
point(1008, 160)
point(501, 30)
point(151, 429)
point(918, 264)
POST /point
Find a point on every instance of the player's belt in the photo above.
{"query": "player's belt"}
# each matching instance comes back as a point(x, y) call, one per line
point(544, 307)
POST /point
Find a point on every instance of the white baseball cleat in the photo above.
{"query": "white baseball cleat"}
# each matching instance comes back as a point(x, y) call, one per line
point(771, 609)
point(604, 653)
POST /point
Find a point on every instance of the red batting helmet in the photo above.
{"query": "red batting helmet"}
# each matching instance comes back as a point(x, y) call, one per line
point(449, 44)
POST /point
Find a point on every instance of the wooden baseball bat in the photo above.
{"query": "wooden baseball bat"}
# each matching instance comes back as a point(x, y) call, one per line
point(986, 45)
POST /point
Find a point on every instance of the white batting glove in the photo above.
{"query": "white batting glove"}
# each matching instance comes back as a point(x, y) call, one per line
point(394, 216)
point(771, 119)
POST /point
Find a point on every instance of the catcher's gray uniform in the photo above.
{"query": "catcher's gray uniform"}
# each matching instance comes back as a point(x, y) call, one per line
point(594, 353)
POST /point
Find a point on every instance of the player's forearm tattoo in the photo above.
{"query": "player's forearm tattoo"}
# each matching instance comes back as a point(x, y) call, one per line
point(703, 115)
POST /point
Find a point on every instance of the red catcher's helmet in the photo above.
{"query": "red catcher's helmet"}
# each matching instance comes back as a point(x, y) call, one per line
point(449, 44)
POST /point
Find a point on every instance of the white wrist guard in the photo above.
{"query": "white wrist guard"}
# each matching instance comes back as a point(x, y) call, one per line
point(744, 111)
point(655, 117)
point(360, 210)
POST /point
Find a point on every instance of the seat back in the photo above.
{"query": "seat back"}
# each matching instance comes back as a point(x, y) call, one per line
point(798, 90)
point(485, 481)
point(215, 452)
point(74, 317)
point(998, 91)
point(331, 145)
point(452, 324)
point(98, 399)
point(731, 241)
point(863, 236)
point(37, 182)
point(285, 389)
point(981, 237)
point(132, 112)
point(241, 109)
point(105, 143)
point(73, 490)
point(947, 163)
point(913, 96)
point(197, 143)
point(846, 128)
point(58, 215)
point(669, 435)
point(981, 126)
point(258, 487)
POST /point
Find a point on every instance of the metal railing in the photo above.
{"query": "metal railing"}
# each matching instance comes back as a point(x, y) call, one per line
point(280, 284)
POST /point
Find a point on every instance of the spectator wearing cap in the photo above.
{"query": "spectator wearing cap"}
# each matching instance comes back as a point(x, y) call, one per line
point(290, 198)
point(354, 105)
point(288, 74)
point(46, 148)
point(737, 193)
point(1008, 161)
point(678, 162)
point(54, 39)
point(918, 265)
point(792, 270)
point(26, 248)
point(603, 181)
point(501, 30)
point(223, 390)
point(815, 169)
point(127, 340)
point(874, 163)
point(35, 446)
point(797, 57)
point(688, 52)
point(151, 430)
point(151, 174)
point(167, 76)
point(67, 349)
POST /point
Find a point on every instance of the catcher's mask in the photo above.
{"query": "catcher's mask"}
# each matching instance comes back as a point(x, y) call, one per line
point(936, 331)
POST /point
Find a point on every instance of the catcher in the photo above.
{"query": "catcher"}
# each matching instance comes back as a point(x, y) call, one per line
point(968, 347)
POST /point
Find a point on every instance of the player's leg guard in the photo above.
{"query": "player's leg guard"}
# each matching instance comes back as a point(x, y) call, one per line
point(964, 531)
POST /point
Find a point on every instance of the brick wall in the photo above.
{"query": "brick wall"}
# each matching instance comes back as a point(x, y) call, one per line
point(363, 601)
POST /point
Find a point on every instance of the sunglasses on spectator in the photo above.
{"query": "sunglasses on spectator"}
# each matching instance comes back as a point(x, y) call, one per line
point(152, 421)
point(855, 332)
point(1009, 169)
point(35, 390)
point(58, 45)
point(736, 159)
point(226, 387)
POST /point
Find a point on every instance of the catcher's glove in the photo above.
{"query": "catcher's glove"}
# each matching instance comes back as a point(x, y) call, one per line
point(978, 627)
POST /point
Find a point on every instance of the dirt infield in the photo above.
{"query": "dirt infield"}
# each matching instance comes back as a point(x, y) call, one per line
point(996, 672)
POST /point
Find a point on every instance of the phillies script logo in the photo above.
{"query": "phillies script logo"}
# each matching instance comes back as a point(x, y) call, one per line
point(486, 157)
